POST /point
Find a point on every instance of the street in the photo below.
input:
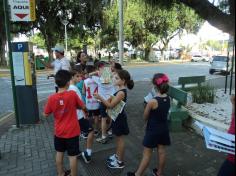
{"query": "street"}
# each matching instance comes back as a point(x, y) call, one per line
point(139, 73)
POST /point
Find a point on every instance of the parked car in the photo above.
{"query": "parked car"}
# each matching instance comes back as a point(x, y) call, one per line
point(206, 59)
point(196, 58)
point(219, 64)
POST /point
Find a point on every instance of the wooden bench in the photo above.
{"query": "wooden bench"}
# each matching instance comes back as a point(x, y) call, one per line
point(191, 81)
point(177, 113)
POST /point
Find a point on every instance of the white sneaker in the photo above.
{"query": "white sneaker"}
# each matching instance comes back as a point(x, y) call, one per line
point(102, 140)
point(110, 135)
point(116, 165)
point(112, 158)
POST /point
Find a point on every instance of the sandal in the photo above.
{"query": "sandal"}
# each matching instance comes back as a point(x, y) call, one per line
point(67, 172)
point(154, 172)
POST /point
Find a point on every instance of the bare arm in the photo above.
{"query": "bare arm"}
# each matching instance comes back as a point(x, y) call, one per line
point(110, 103)
point(152, 104)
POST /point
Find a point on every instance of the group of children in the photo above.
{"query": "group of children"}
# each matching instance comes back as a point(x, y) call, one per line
point(81, 103)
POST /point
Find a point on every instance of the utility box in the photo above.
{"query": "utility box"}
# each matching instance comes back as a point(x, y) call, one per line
point(25, 81)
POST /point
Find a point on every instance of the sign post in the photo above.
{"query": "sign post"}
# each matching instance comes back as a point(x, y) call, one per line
point(20, 10)
point(7, 25)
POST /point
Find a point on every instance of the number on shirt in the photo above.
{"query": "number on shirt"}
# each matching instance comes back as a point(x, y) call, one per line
point(89, 92)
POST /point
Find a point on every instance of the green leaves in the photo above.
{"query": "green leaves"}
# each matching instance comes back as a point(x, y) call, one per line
point(220, 14)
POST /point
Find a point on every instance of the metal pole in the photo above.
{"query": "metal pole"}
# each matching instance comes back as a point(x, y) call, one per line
point(7, 26)
point(66, 37)
point(227, 70)
point(121, 32)
point(232, 70)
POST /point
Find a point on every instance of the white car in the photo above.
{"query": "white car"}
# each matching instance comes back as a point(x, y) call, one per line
point(196, 58)
point(206, 59)
point(219, 64)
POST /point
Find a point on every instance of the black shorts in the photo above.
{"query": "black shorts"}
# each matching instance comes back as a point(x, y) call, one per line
point(94, 113)
point(70, 145)
point(152, 140)
point(85, 125)
point(103, 110)
point(120, 126)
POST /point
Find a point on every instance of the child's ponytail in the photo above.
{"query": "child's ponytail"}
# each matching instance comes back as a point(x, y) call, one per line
point(130, 84)
point(124, 75)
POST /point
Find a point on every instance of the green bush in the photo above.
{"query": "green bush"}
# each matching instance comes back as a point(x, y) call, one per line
point(203, 94)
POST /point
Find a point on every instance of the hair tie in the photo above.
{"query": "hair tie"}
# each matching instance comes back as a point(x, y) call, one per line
point(161, 80)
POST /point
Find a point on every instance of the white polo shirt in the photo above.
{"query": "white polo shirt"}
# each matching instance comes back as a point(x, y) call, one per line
point(60, 64)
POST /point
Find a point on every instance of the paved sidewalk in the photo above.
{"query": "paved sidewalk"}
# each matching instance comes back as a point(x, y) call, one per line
point(30, 150)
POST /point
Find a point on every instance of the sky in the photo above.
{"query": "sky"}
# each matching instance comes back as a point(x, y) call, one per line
point(208, 32)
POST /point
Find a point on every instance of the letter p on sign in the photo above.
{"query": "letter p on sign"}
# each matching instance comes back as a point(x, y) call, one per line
point(19, 46)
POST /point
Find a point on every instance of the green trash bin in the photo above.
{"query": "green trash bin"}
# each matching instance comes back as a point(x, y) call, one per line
point(46, 59)
point(39, 65)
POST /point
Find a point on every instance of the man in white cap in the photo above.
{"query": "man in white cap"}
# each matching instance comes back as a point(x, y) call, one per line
point(60, 63)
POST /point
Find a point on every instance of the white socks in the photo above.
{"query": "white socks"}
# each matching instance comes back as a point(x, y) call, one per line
point(89, 152)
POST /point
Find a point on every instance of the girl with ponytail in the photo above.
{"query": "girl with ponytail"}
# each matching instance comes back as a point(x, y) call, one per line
point(120, 127)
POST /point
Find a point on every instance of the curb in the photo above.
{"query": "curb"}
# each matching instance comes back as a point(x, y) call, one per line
point(11, 114)
point(6, 116)
point(211, 123)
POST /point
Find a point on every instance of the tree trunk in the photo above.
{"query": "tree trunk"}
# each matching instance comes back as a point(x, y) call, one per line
point(2, 37)
point(147, 53)
point(49, 45)
point(3, 61)
point(165, 44)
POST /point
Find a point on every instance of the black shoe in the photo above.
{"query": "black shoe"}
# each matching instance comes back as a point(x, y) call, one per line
point(96, 133)
point(130, 174)
point(86, 157)
point(67, 172)
point(154, 172)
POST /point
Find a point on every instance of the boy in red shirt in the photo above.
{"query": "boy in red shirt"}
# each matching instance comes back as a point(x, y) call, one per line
point(63, 105)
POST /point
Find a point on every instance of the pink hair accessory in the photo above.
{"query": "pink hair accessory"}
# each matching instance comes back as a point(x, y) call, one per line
point(161, 80)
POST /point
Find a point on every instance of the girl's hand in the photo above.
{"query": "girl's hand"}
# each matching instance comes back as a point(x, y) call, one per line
point(97, 96)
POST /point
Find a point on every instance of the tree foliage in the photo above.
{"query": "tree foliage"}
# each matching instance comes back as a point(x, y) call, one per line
point(221, 14)
point(144, 26)
point(78, 13)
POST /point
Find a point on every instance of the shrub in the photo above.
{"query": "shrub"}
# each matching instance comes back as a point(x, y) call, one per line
point(203, 94)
